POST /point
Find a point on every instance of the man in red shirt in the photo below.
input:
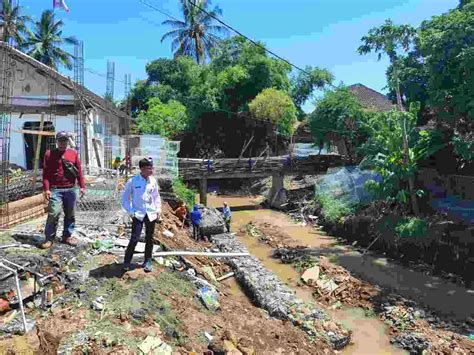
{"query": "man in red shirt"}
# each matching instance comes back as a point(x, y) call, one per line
point(61, 169)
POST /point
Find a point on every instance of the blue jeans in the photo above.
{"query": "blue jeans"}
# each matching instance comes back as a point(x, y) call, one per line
point(65, 198)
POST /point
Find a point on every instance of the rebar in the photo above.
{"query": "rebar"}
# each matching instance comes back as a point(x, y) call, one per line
point(6, 91)
point(18, 290)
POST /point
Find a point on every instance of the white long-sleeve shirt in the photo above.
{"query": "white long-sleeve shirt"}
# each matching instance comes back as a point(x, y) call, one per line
point(141, 198)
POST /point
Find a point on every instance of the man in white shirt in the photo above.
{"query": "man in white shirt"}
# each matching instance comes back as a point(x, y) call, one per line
point(141, 200)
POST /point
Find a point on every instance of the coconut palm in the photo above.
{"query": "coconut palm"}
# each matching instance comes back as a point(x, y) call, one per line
point(12, 24)
point(44, 43)
point(198, 33)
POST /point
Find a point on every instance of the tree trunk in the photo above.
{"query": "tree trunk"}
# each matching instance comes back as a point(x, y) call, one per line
point(406, 150)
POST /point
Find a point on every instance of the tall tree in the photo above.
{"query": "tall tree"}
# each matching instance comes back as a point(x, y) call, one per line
point(389, 39)
point(304, 84)
point(198, 33)
point(12, 24)
point(46, 40)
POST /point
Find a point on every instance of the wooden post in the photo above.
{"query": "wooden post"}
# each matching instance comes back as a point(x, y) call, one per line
point(203, 191)
point(37, 154)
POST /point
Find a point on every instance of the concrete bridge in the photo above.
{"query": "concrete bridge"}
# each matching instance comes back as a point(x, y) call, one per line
point(245, 168)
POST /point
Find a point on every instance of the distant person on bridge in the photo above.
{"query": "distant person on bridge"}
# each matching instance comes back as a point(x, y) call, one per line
point(141, 199)
point(196, 217)
point(227, 216)
point(61, 169)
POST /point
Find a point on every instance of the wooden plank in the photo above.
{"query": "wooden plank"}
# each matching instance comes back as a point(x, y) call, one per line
point(37, 154)
point(37, 133)
point(96, 150)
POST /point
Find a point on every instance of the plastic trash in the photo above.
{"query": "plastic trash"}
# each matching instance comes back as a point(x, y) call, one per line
point(168, 234)
point(103, 244)
point(208, 297)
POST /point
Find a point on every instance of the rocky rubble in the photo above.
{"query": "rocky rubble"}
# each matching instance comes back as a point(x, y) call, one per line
point(212, 222)
point(276, 298)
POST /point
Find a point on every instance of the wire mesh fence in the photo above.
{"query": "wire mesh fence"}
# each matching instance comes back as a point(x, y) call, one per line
point(101, 203)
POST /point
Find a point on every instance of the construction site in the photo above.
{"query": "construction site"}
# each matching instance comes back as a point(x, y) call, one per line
point(293, 252)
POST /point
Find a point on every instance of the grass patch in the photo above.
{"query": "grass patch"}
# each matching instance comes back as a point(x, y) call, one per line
point(412, 227)
point(370, 313)
point(142, 300)
point(183, 192)
point(6, 238)
point(23, 251)
point(108, 333)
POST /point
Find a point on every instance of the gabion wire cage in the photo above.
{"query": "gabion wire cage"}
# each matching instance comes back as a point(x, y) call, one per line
point(101, 203)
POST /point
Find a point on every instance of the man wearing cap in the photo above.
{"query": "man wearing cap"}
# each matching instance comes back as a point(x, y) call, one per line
point(61, 169)
point(141, 200)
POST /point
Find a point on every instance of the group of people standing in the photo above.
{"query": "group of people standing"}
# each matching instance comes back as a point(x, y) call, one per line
point(62, 172)
point(195, 217)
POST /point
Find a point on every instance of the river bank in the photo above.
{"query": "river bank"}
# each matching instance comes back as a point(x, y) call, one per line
point(428, 323)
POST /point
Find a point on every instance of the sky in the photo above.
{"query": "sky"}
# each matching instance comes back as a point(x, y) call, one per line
point(322, 33)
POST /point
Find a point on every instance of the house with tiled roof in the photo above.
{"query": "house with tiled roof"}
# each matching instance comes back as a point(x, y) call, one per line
point(371, 99)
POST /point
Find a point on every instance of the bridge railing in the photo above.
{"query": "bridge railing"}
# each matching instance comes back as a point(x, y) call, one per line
point(248, 167)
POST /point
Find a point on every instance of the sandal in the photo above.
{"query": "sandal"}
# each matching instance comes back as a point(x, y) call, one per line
point(70, 241)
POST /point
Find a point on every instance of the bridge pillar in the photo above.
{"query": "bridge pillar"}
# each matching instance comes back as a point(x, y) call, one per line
point(277, 195)
point(203, 192)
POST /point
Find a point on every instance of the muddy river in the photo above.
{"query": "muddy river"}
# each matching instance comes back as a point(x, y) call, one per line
point(370, 335)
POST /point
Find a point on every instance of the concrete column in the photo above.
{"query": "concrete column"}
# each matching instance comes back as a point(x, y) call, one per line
point(277, 186)
point(203, 192)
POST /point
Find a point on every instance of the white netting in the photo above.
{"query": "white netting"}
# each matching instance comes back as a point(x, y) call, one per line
point(163, 152)
point(346, 184)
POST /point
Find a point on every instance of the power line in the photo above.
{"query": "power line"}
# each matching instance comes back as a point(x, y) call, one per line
point(232, 29)
point(159, 10)
point(248, 38)
point(92, 71)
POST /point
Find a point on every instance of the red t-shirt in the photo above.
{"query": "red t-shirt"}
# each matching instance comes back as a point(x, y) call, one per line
point(53, 171)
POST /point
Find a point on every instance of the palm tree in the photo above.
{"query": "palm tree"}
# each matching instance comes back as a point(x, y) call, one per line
point(198, 34)
point(46, 41)
point(12, 24)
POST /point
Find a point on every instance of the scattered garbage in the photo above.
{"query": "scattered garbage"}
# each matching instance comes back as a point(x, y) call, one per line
point(226, 276)
point(168, 234)
point(311, 274)
point(209, 337)
point(415, 344)
point(103, 245)
point(208, 296)
point(98, 305)
point(207, 270)
point(154, 345)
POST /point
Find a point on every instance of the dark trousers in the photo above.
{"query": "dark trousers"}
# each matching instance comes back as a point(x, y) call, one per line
point(137, 227)
point(196, 231)
point(61, 199)
point(227, 224)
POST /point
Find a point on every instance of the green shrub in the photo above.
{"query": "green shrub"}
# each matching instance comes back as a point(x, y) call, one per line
point(183, 192)
point(411, 227)
point(334, 208)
